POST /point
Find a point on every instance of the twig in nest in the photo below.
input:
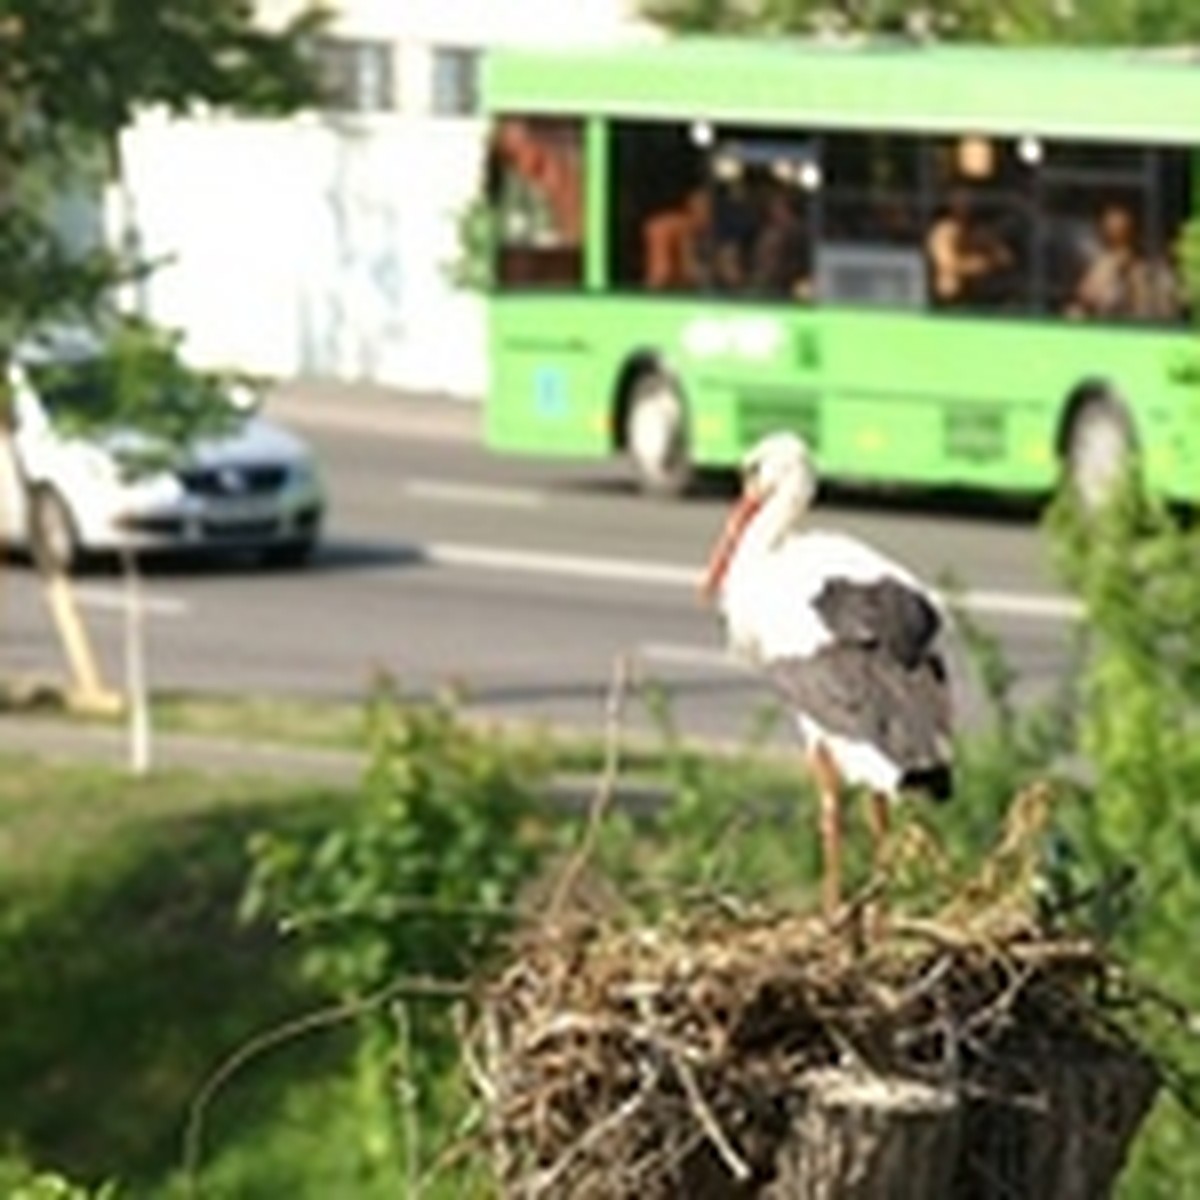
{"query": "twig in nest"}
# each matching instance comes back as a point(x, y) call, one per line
point(701, 1110)
point(706, 1118)
point(591, 1137)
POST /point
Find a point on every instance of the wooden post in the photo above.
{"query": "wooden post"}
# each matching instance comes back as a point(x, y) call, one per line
point(1057, 1127)
point(862, 1137)
point(87, 692)
point(1050, 1129)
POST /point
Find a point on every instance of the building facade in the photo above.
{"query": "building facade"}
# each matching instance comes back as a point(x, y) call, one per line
point(326, 244)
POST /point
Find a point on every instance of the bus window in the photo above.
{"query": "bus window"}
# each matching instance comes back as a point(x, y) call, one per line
point(1111, 221)
point(980, 232)
point(536, 190)
point(655, 167)
point(871, 225)
point(872, 189)
point(764, 198)
point(728, 215)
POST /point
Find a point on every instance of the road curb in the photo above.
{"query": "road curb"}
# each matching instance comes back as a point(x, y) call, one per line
point(371, 408)
point(60, 740)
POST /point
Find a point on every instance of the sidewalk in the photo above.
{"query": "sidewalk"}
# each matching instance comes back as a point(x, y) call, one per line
point(372, 408)
point(63, 740)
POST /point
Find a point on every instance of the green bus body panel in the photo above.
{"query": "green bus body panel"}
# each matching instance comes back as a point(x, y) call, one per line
point(918, 397)
point(1111, 94)
point(881, 395)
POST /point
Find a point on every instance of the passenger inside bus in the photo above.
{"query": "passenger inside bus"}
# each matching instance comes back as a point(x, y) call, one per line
point(676, 244)
point(539, 183)
point(779, 257)
point(968, 262)
point(1121, 281)
point(684, 250)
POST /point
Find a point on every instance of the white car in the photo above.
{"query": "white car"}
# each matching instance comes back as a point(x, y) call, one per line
point(254, 488)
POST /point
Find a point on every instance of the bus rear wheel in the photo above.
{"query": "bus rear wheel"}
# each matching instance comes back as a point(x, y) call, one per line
point(1099, 450)
point(655, 436)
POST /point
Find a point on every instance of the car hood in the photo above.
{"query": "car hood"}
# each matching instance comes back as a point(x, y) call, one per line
point(257, 439)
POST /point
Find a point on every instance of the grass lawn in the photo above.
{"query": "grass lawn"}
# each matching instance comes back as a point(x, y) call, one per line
point(126, 975)
point(129, 977)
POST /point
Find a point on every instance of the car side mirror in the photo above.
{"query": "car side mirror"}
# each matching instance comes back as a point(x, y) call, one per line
point(245, 397)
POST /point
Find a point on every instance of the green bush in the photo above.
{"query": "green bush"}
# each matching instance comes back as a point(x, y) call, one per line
point(19, 1182)
point(398, 904)
point(1136, 826)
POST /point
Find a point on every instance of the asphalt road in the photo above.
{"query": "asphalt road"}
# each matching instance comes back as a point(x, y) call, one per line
point(521, 582)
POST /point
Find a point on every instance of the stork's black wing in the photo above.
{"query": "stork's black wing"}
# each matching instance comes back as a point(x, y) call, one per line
point(880, 679)
point(885, 612)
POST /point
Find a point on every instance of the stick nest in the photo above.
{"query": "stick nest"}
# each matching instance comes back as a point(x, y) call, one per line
point(620, 1061)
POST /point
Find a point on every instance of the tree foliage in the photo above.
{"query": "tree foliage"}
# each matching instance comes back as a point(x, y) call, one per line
point(1073, 21)
point(138, 380)
point(88, 65)
point(73, 73)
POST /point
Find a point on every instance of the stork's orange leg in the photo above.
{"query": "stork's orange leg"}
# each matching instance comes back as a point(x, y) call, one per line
point(828, 783)
point(881, 821)
point(880, 814)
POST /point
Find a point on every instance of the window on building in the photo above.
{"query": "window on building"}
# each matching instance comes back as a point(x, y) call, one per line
point(356, 74)
point(455, 81)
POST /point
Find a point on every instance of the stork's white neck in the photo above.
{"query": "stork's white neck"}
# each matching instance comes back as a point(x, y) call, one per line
point(781, 513)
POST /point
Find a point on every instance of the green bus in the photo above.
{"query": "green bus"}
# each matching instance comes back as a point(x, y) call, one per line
point(943, 266)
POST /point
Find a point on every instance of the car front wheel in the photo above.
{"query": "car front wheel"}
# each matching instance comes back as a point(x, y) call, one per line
point(53, 537)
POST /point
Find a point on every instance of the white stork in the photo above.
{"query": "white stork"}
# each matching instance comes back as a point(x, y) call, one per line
point(847, 635)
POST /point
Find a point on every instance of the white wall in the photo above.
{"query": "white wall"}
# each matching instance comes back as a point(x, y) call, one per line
point(309, 247)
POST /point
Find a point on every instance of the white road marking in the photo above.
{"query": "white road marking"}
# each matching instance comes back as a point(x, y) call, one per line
point(1018, 605)
point(567, 566)
point(114, 599)
point(480, 495)
point(1022, 604)
point(683, 655)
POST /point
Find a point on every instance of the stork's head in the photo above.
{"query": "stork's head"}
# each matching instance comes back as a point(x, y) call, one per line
point(779, 482)
point(780, 467)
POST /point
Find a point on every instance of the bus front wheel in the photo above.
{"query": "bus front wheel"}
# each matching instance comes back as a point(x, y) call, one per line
point(655, 436)
point(1099, 450)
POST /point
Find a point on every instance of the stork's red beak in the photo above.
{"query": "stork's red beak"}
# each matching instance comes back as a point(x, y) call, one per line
point(725, 546)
